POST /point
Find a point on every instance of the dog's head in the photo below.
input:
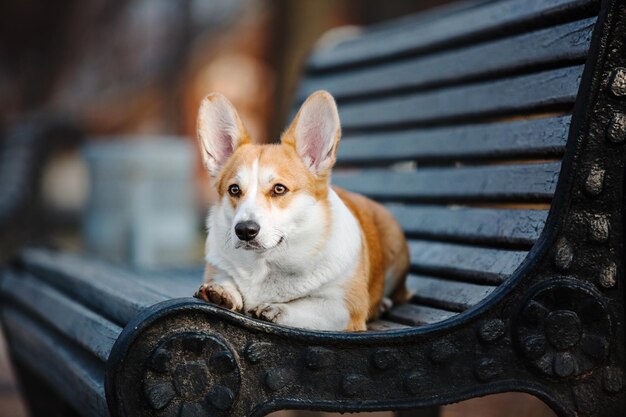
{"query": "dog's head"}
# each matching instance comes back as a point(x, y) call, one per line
point(273, 195)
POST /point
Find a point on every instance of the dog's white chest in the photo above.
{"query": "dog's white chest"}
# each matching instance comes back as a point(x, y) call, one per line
point(318, 265)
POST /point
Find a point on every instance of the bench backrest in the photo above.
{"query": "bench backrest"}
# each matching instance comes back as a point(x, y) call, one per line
point(458, 119)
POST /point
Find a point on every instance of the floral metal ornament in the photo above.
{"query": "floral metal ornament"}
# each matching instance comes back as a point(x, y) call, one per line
point(564, 329)
point(191, 374)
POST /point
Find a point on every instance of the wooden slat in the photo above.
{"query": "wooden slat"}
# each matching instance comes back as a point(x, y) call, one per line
point(469, 263)
point(424, 16)
point(414, 315)
point(531, 182)
point(503, 96)
point(382, 325)
point(564, 43)
point(98, 285)
point(77, 378)
point(519, 139)
point(175, 283)
point(76, 322)
point(489, 226)
point(492, 19)
point(446, 294)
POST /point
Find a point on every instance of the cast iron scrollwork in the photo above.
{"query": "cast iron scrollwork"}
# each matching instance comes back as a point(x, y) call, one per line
point(191, 374)
point(564, 329)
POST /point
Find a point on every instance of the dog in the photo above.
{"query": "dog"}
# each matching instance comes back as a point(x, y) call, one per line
point(284, 245)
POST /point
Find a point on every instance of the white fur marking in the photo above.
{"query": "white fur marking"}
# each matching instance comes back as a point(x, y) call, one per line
point(306, 275)
point(248, 208)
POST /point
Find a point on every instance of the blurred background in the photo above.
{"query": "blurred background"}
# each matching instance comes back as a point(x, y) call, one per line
point(120, 82)
point(128, 76)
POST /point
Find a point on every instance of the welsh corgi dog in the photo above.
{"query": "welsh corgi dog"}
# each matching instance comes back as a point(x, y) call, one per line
point(284, 245)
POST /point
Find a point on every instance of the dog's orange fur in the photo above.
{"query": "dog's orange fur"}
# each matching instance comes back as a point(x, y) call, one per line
point(290, 170)
point(384, 252)
point(283, 158)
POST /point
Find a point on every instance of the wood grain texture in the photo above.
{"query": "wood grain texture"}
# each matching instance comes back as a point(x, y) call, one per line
point(465, 263)
point(415, 315)
point(564, 43)
point(75, 376)
point(175, 282)
point(79, 324)
point(108, 290)
point(445, 294)
point(530, 182)
point(471, 225)
point(523, 93)
point(489, 20)
point(544, 138)
point(382, 325)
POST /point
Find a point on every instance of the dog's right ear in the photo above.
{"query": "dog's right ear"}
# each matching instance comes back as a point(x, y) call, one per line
point(220, 132)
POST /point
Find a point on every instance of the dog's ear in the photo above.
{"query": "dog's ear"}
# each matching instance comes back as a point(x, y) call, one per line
point(315, 133)
point(220, 131)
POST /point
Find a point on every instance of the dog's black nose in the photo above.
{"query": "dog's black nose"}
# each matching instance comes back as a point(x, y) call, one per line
point(247, 230)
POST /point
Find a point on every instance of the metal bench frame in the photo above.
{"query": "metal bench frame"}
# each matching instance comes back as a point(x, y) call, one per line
point(571, 282)
point(496, 347)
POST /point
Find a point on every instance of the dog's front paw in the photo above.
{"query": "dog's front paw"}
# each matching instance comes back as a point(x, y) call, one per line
point(268, 312)
point(216, 294)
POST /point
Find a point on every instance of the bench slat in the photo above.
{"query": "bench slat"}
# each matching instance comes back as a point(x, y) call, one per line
point(414, 315)
point(530, 182)
point(176, 283)
point(78, 378)
point(564, 43)
point(98, 285)
point(423, 16)
point(544, 137)
point(465, 263)
point(503, 96)
point(382, 325)
point(83, 326)
point(490, 226)
point(445, 294)
point(491, 19)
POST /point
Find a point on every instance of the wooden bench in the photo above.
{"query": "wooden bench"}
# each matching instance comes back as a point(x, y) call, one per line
point(495, 132)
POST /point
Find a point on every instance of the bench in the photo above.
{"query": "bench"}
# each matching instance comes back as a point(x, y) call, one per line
point(495, 133)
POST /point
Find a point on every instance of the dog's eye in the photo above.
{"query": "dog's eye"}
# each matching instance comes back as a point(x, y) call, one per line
point(279, 189)
point(234, 190)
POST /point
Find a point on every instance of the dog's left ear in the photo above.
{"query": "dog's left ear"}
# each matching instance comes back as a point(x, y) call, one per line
point(315, 133)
